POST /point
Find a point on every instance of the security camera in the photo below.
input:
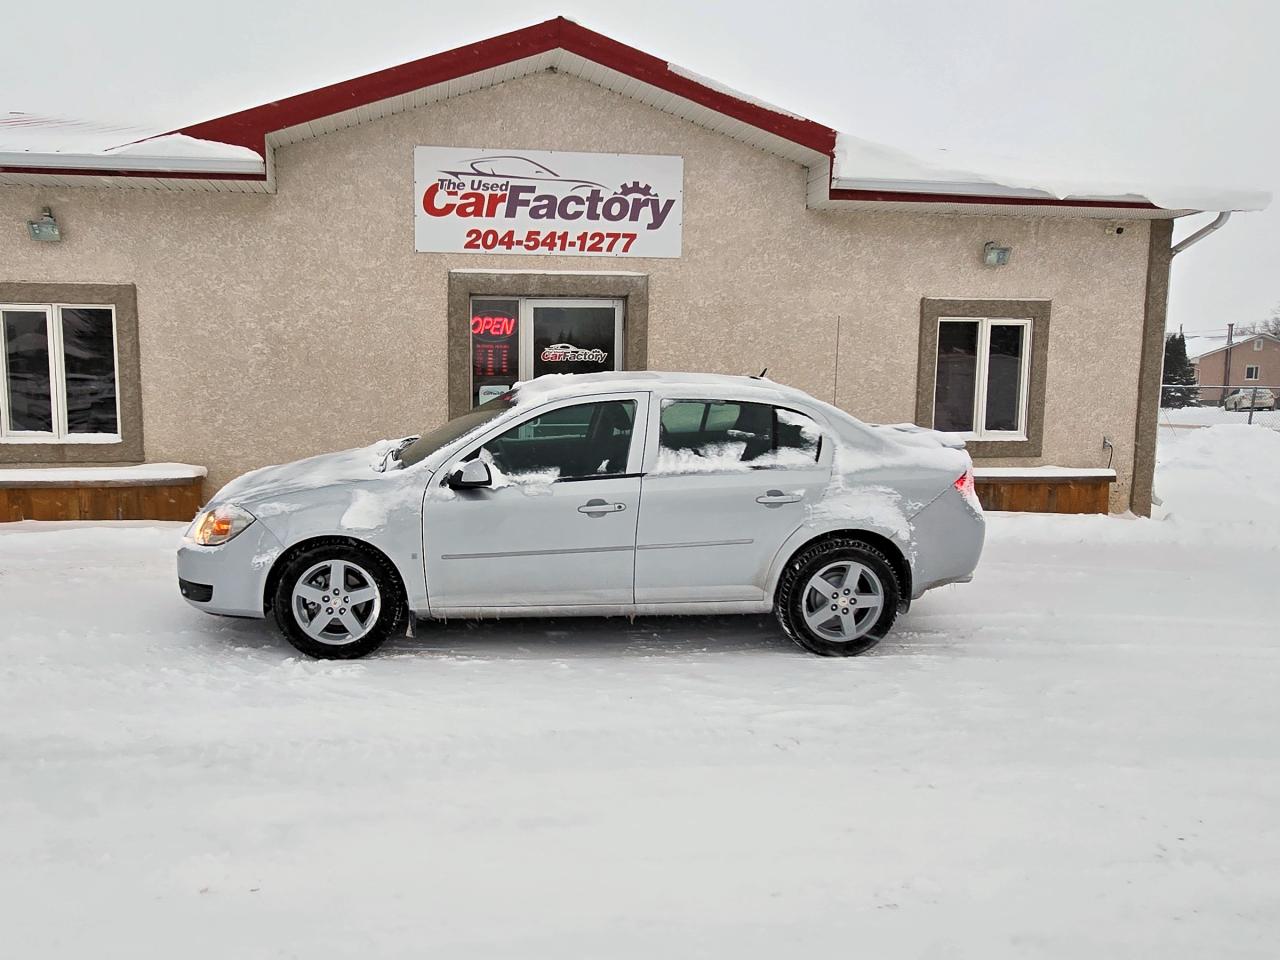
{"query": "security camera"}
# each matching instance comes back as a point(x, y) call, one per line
point(1115, 229)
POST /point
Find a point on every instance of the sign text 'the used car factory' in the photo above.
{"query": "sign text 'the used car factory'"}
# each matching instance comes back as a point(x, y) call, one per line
point(500, 200)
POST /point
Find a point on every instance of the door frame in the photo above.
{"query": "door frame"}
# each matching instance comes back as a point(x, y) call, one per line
point(627, 285)
point(525, 329)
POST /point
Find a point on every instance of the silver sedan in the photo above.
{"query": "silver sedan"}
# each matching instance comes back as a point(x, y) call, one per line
point(631, 493)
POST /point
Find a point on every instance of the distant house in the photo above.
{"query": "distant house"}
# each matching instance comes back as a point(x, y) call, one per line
point(1255, 362)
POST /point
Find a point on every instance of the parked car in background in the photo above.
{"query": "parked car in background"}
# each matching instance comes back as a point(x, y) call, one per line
point(1250, 398)
point(599, 494)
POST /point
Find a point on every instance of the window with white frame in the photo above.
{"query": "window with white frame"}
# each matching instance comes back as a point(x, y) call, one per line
point(58, 373)
point(982, 377)
point(1251, 372)
point(1257, 345)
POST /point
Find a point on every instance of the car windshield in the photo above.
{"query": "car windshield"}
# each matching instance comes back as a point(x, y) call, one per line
point(451, 430)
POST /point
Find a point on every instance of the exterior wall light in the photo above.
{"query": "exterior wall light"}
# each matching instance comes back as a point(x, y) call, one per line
point(44, 228)
point(994, 256)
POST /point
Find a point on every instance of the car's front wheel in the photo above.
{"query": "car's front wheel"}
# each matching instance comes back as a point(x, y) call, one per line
point(838, 598)
point(335, 601)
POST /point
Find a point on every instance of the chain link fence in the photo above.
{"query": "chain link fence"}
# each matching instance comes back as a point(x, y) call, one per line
point(1203, 405)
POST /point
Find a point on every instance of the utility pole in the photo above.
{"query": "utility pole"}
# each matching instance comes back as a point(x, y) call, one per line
point(1226, 370)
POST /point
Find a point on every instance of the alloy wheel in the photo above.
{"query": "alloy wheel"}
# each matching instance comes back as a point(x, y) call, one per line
point(843, 601)
point(336, 602)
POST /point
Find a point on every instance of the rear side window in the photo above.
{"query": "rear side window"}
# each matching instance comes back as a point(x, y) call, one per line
point(705, 435)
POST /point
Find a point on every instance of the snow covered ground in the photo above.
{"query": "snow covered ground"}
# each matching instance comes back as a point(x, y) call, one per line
point(1076, 755)
point(1208, 416)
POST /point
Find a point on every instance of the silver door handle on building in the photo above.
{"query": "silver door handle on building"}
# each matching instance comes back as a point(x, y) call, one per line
point(598, 508)
point(776, 498)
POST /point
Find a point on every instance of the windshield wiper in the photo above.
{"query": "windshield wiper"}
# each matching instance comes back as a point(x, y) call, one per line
point(393, 456)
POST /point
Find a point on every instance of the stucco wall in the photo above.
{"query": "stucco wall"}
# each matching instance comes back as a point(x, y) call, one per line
point(274, 327)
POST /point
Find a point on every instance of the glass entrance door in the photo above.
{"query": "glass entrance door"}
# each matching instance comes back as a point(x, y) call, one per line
point(514, 338)
point(571, 336)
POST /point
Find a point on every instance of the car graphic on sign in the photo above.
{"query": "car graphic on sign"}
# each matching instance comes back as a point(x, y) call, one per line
point(514, 167)
point(568, 353)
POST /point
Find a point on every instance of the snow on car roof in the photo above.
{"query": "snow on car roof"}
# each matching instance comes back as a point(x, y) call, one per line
point(555, 384)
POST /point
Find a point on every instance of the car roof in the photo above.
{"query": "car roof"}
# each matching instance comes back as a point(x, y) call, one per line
point(708, 384)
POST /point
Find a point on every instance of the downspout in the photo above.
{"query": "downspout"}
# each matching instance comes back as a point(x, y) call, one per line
point(1203, 232)
point(1159, 266)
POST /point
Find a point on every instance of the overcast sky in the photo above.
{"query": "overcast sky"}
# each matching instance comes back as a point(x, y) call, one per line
point(1164, 90)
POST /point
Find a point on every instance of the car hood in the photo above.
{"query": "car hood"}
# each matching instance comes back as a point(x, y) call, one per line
point(282, 480)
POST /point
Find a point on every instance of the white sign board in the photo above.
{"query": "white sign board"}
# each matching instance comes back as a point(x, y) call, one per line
point(502, 200)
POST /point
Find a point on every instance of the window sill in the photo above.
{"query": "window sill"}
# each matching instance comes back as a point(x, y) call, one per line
point(89, 439)
point(990, 438)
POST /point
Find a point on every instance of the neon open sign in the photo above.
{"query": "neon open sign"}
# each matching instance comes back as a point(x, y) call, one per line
point(497, 328)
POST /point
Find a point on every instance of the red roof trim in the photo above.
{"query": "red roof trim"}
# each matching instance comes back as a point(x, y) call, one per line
point(248, 128)
point(898, 196)
point(157, 174)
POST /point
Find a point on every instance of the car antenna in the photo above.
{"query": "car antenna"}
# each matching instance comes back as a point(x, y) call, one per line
point(760, 375)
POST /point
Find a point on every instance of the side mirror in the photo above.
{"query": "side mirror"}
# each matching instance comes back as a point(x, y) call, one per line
point(472, 474)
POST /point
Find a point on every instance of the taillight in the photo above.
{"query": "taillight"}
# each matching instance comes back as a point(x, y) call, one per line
point(964, 484)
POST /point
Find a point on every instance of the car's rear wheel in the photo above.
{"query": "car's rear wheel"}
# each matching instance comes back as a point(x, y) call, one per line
point(838, 598)
point(335, 601)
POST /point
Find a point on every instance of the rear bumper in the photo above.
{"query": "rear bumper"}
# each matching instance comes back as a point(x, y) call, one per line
point(949, 535)
point(228, 579)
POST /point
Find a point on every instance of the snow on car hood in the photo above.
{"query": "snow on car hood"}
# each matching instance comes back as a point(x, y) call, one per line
point(268, 484)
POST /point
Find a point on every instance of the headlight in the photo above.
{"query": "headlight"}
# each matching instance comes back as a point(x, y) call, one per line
point(218, 525)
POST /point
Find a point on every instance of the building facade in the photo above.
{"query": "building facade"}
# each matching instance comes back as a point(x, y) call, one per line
point(272, 285)
point(1252, 361)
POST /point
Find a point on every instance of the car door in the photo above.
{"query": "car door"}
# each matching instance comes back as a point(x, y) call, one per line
point(726, 483)
point(558, 527)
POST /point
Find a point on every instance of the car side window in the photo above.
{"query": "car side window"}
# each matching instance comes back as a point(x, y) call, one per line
point(700, 435)
point(570, 443)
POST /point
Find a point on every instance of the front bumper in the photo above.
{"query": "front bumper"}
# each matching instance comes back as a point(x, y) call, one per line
point(229, 579)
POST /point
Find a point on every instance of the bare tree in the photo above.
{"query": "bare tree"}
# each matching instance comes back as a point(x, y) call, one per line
point(1270, 325)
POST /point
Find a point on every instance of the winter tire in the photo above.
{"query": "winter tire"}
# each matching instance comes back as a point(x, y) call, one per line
point(335, 601)
point(838, 598)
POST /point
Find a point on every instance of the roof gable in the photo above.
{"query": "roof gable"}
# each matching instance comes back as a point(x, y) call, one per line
point(250, 128)
point(1200, 347)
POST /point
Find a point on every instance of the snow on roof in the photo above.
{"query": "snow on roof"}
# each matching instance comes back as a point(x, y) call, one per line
point(861, 164)
point(28, 139)
point(1198, 347)
point(861, 170)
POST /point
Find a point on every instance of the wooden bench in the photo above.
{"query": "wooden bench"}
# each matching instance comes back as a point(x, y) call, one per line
point(1044, 489)
point(147, 491)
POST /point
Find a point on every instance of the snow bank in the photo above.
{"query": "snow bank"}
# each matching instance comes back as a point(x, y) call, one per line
point(1205, 416)
point(1220, 481)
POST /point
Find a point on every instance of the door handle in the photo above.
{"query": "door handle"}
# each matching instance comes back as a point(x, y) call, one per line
point(598, 508)
point(776, 498)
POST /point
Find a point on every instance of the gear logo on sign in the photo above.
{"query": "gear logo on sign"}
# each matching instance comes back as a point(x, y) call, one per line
point(568, 353)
